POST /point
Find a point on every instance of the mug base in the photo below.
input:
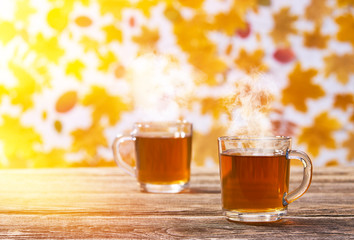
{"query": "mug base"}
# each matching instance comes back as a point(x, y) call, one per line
point(163, 188)
point(254, 217)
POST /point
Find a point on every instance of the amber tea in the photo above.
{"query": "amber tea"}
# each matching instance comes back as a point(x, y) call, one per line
point(163, 160)
point(253, 183)
point(254, 176)
point(163, 155)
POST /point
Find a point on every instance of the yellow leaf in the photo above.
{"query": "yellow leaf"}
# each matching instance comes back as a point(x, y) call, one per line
point(114, 7)
point(145, 6)
point(316, 39)
point(113, 34)
point(89, 44)
point(341, 66)
point(18, 141)
point(196, 4)
point(26, 86)
point(317, 10)
point(243, 6)
point(349, 144)
point(24, 10)
point(283, 26)
point(7, 32)
point(104, 105)
point(346, 26)
point(58, 18)
point(301, 88)
point(251, 63)
point(48, 48)
point(3, 91)
point(106, 61)
point(53, 158)
point(320, 134)
point(214, 106)
point(75, 68)
point(148, 38)
point(89, 140)
point(192, 37)
point(172, 14)
point(229, 22)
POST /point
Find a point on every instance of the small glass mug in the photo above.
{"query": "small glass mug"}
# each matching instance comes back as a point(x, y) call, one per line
point(254, 175)
point(163, 155)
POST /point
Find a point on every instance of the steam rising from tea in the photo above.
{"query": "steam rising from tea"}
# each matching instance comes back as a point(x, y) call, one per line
point(251, 105)
point(161, 86)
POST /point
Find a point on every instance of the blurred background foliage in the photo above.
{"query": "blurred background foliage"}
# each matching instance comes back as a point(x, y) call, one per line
point(65, 94)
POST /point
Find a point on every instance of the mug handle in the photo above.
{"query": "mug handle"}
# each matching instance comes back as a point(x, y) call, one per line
point(307, 176)
point(117, 156)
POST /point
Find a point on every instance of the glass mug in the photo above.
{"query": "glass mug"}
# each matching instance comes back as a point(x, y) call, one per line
point(163, 155)
point(254, 175)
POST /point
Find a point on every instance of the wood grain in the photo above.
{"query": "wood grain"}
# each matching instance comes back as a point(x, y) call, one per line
point(103, 203)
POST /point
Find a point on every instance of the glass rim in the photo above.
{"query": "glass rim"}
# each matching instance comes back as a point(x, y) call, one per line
point(254, 138)
point(162, 123)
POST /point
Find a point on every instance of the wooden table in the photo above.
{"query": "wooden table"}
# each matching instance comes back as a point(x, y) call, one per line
point(101, 203)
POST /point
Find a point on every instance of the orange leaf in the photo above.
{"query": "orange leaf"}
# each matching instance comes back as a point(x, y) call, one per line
point(119, 71)
point(341, 66)
point(283, 25)
point(66, 102)
point(320, 134)
point(301, 88)
point(349, 144)
point(148, 38)
point(83, 21)
point(345, 3)
point(315, 39)
point(346, 26)
point(251, 62)
point(317, 10)
point(344, 101)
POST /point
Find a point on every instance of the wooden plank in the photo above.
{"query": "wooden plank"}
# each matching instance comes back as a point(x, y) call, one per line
point(105, 203)
point(170, 227)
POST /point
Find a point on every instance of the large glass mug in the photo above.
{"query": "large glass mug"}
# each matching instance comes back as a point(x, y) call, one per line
point(254, 175)
point(163, 155)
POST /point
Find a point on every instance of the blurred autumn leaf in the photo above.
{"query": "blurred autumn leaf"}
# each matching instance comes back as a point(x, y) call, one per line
point(349, 144)
point(18, 141)
point(344, 101)
point(251, 62)
point(315, 39)
point(317, 10)
point(104, 105)
point(320, 134)
point(345, 24)
point(339, 65)
point(283, 26)
point(300, 84)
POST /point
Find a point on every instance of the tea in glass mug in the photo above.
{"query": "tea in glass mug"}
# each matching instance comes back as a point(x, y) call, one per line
point(163, 155)
point(254, 175)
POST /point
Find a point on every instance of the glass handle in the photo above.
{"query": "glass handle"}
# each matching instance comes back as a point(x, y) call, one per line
point(307, 176)
point(117, 156)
